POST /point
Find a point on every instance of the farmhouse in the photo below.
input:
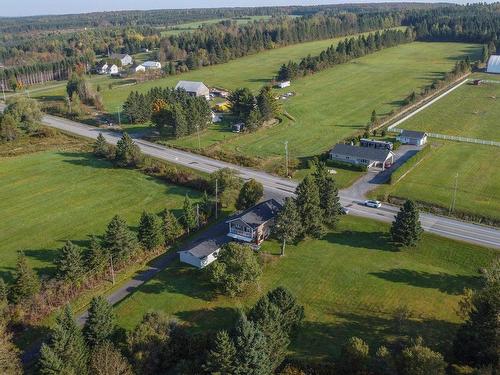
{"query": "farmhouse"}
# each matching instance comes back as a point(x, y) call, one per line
point(123, 57)
point(151, 65)
point(194, 88)
point(365, 142)
point(493, 64)
point(411, 137)
point(367, 156)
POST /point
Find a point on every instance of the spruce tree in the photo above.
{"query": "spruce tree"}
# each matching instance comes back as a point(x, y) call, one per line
point(287, 225)
point(268, 105)
point(172, 229)
point(373, 118)
point(329, 195)
point(66, 352)
point(26, 281)
point(291, 311)
point(128, 154)
point(150, 231)
point(406, 229)
point(309, 207)
point(10, 363)
point(119, 240)
point(207, 206)
point(70, 263)
point(100, 146)
point(189, 214)
point(221, 356)
point(101, 322)
point(97, 257)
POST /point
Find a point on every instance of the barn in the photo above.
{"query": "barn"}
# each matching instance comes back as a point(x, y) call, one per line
point(493, 64)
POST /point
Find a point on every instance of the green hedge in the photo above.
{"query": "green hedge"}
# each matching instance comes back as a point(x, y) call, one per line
point(409, 164)
point(343, 165)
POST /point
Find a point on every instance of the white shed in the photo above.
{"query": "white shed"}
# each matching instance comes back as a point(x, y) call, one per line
point(493, 64)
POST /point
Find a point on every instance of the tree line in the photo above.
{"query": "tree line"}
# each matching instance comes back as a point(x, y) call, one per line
point(345, 51)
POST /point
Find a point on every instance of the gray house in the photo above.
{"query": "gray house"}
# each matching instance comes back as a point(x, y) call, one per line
point(411, 137)
point(367, 156)
point(194, 88)
point(123, 57)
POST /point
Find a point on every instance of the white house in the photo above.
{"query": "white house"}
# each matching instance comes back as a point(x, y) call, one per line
point(194, 88)
point(102, 68)
point(284, 84)
point(367, 156)
point(139, 68)
point(493, 64)
point(123, 57)
point(151, 65)
point(113, 69)
point(411, 137)
point(203, 252)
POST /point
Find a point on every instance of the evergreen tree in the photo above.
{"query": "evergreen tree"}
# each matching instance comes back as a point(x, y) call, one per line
point(292, 313)
point(189, 214)
point(268, 105)
point(287, 226)
point(128, 154)
point(242, 103)
point(418, 359)
point(4, 293)
point(207, 206)
point(66, 352)
point(309, 207)
point(251, 192)
point(329, 195)
point(97, 257)
point(107, 360)
point(150, 231)
point(100, 146)
point(354, 357)
point(253, 120)
point(373, 118)
point(221, 356)
point(26, 281)
point(100, 323)
point(406, 229)
point(172, 229)
point(119, 240)
point(10, 363)
point(70, 263)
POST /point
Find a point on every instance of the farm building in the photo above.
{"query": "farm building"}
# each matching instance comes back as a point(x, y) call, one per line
point(123, 57)
point(411, 137)
point(364, 142)
point(113, 69)
point(194, 88)
point(367, 156)
point(493, 64)
point(102, 67)
point(139, 68)
point(151, 65)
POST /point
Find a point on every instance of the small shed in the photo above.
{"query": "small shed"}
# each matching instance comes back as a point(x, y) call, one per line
point(411, 137)
point(239, 127)
point(284, 84)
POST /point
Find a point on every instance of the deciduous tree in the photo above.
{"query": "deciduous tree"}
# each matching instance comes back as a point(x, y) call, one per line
point(251, 192)
point(188, 214)
point(288, 226)
point(354, 357)
point(418, 359)
point(107, 360)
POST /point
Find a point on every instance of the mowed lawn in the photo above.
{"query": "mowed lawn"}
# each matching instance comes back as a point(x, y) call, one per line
point(351, 283)
point(469, 111)
point(51, 197)
point(433, 180)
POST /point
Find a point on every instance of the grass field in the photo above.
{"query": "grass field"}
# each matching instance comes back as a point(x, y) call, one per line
point(469, 111)
point(350, 283)
point(54, 196)
point(433, 180)
point(190, 26)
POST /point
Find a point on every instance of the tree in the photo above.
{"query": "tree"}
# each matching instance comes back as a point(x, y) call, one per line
point(267, 103)
point(383, 362)
point(107, 360)
point(253, 120)
point(10, 363)
point(292, 313)
point(65, 353)
point(251, 192)
point(97, 257)
point(9, 130)
point(119, 240)
point(237, 268)
point(70, 263)
point(172, 229)
point(242, 102)
point(354, 357)
point(418, 359)
point(373, 118)
point(221, 356)
point(189, 214)
point(228, 185)
point(207, 206)
point(26, 282)
point(25, 112)
point(101, 322)
point(128, 154)
point(308, 205)
point(100, 147)
point(287, 226)
point(329, 195)
point(406, 229)
point(150, 231)
point(4, 293)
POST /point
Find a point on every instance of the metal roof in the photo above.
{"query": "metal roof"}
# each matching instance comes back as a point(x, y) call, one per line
point(493, 64)
point(368, 153)
point(192, 86)
point(259, 214)
point(412, 134)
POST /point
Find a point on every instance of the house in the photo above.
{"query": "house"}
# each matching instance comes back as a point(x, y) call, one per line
point(138, 68)
point(367, 156)
point(151, 65)
point(113, 69)
point(204, 251)
point(123, 57)
point(194, 88)
point(411, 137)
point(254, 225)
point(283, 84)
point(493, 64)
point(365, 142)
point(102, 68)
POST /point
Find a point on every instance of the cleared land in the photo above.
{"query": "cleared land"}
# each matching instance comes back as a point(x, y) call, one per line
point(469, 111)
point(350, 282)
point(190, 26)
point(54, 196)
point(433, 180)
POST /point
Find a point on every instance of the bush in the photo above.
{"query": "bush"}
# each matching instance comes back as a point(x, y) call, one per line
point(348, 166)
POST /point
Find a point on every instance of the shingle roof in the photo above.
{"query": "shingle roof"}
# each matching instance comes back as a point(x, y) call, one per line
point(368, 153)
point(118, 55)
point(206, 246)
point(192, 86)
point(412, 134)
point(259, 214)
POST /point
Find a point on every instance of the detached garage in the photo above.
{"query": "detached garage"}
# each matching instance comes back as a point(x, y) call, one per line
point(493, 64)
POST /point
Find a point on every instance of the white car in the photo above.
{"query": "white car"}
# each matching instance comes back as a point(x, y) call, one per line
point(372, 203)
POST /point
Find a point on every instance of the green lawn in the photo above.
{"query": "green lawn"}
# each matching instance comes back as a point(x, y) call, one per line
point(50, 197)
point(350, 283)
point(469, 111)
point(433, 180)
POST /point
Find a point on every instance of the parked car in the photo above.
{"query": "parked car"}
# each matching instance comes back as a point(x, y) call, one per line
point(372, 203)
point(344, 210)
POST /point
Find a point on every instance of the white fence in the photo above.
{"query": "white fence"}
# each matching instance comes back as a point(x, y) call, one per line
point(456, 138)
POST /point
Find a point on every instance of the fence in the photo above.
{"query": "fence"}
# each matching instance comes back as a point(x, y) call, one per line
point(456, 138)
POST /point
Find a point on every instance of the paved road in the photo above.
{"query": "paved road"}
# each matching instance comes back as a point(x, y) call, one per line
point(277, 187)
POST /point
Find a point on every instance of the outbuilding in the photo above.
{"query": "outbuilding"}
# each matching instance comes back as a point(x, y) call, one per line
point(204, 251)
point(194, 88)
point(284, 84)
point(411, 137)
point(151, 65)
point(124, 58)
point(367, 156)
point(493, 64)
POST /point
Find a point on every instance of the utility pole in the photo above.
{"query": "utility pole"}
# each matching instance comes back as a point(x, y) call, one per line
point(3, 92)
point(112, 269)
point(286, 157)
point(216, 200)
point(198, 133)
point(452, 207)
point(198, 215)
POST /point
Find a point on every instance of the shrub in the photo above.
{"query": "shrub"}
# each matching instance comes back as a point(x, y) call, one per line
point(348, 166)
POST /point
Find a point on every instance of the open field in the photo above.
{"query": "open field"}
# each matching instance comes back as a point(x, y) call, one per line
point(350, 282)
point(433, 180)
point(469, 111)
point(190, 26)
point(56, 196)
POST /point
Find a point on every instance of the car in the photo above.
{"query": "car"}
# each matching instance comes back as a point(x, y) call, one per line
point(344, 210)
point(372, 203)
